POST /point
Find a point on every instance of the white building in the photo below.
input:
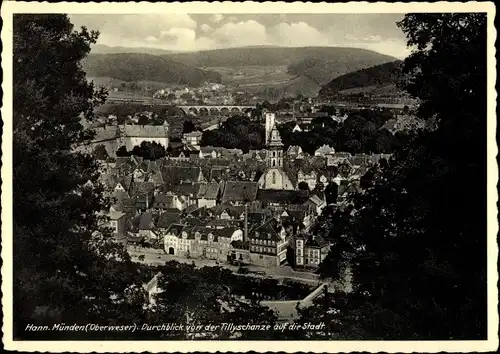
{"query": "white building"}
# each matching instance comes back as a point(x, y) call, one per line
point(134, 135)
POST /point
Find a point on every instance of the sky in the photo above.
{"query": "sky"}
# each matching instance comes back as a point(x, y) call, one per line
point(193, 32)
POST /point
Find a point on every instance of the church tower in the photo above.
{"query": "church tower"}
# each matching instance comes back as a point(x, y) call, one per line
point(270, 118)
point(275, 176)
point(274, 149)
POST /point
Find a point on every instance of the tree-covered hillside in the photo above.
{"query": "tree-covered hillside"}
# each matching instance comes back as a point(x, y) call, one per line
point(337, 60)
point(379, 76)
point(146, 67)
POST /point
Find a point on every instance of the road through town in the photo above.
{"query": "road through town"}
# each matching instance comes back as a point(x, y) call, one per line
point(281, 273)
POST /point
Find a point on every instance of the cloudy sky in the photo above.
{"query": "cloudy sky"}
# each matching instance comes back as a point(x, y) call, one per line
point(191, 32)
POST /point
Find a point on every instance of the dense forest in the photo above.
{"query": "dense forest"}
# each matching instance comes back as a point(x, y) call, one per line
point(236, 133)
point(146, 67)
point(360, 133)
point(349, 59)
point(379, 75)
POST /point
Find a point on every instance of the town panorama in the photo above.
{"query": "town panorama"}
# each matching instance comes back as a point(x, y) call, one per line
point(221, 177)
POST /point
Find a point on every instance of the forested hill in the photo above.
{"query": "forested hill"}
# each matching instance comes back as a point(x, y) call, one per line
point(349, 58)
point(139, 66)
point(388, 74)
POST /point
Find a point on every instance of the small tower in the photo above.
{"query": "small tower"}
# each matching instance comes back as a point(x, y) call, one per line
point(275, 149)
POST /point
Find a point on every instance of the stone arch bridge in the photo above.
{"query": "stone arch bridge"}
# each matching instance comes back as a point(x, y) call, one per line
point(215, 110)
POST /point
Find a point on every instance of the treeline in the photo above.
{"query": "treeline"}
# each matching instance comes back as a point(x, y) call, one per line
point(124, 110)
point(360, 133)
point(236, 133)
point(147, 150)
point(388, 73)
point(146, 67)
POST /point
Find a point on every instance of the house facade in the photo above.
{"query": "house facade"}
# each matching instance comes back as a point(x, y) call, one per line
point(268, 244)
point(310, 250)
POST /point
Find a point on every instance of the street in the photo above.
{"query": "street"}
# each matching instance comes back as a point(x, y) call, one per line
point(281, 273)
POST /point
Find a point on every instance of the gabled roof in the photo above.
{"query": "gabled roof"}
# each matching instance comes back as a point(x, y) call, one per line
point(316, 241)
point(186, 189)
point(178, 174)
point(226, 232)
point(209, 190)
point(219, 208)
point(293, 150)
point(190, 208)
point(125, 181)
point(167, 219)
point(175, 229)
point(268, 230)
point(208, 149)
point(218, 174)
point(237, 191)
point(145, 131)
point(283, 196)
point(146, 221)
point(325, 149)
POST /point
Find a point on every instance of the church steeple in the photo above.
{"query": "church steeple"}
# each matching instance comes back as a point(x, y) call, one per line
point(275, 149)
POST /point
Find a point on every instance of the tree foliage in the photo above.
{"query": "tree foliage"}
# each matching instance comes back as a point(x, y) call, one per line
point(100, 152)
point(148, 150)
point(213, 295)
point(63, 271)
point(188, 126)
point(417, 255)
point(360, 133)
point(236, 133)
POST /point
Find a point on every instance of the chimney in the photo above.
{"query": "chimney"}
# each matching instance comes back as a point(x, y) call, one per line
point(245, 232)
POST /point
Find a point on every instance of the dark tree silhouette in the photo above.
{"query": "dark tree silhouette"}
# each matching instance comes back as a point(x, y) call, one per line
point(408, 234)
point(188, 127)
point(64, 271)
point(100, 152)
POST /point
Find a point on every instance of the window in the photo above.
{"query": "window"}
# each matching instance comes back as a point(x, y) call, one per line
point(274, 164)
point(261, 256)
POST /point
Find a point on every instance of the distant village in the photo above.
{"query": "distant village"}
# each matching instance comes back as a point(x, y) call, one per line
point(203, 202)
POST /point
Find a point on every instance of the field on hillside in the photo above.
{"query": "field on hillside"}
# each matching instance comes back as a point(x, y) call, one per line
point(252, 75)
point(259, 79)
point(123, 89)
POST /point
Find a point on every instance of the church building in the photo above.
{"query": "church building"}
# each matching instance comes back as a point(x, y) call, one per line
point(274, 177)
